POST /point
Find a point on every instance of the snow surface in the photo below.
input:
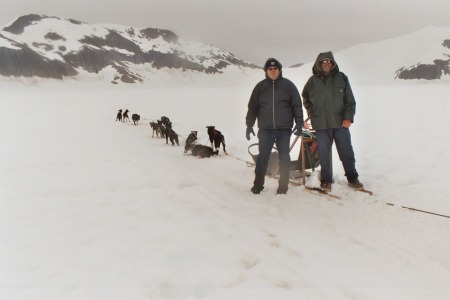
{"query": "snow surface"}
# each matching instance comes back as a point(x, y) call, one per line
point(91, 208)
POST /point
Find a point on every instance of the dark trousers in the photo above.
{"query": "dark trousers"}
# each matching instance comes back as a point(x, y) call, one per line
point(267, 138)
point(344, 148)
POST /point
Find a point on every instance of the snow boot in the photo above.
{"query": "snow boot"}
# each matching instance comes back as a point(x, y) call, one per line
point(356, 185)
point(256, 189)
point(282, 189)
point(325, 186)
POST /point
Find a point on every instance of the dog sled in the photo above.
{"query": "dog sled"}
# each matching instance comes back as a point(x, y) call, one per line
point(307, 161)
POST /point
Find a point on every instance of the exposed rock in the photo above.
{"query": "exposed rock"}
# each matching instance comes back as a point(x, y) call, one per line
point(113, 40)
point(153, 33)
point(19, 25)
point(126, 75)
point(446, 43)
point(89, 59)
point(54, 36)
point(297, 65)
point(28, 63)
point(425, 71)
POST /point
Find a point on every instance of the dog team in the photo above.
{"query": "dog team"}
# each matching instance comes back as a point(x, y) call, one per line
point(163, 128)
point(123, 117)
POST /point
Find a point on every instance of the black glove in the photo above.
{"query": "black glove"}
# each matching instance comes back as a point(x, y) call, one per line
point(298, 129)
point(248, 131)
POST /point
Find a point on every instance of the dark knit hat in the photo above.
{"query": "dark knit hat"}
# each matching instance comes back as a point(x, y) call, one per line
point(272, 62)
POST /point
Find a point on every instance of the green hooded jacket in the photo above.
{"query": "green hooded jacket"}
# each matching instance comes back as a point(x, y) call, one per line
point(328, 100)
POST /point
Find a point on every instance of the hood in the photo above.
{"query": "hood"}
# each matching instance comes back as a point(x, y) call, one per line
point(317, 68)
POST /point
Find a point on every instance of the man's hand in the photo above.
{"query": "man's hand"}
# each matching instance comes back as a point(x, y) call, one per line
point(248, 131)
point(346, 123)
point(298, 129)
point(305, 124)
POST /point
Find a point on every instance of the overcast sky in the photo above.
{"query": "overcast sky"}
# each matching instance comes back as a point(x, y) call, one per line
point(291, 30)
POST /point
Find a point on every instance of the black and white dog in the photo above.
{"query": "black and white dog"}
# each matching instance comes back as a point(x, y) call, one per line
point(198, 150)
point(217, 137)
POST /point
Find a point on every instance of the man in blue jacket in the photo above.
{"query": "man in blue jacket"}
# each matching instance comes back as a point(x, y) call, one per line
point(329, 101)
point(275, 102)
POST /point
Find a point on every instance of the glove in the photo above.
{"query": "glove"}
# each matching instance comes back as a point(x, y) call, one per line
point(298, 129)
point(248, 131)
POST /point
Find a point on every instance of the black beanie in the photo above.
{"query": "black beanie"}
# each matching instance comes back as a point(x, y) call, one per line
point(272, 62)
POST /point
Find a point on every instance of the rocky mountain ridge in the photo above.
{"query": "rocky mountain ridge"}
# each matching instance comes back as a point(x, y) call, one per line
point(51, 47)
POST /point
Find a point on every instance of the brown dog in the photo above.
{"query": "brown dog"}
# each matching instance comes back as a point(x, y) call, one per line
point(156, 129)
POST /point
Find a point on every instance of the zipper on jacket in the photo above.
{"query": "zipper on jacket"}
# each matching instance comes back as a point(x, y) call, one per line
point(273, 103)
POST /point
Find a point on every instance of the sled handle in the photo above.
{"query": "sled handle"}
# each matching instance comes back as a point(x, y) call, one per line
point(256, 144)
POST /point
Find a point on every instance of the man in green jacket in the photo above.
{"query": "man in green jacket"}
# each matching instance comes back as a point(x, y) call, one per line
point(329, 101)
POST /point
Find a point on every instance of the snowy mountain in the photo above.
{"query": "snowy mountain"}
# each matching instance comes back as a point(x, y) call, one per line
point(432, 45)
point(51, 47)
point(424, 54)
